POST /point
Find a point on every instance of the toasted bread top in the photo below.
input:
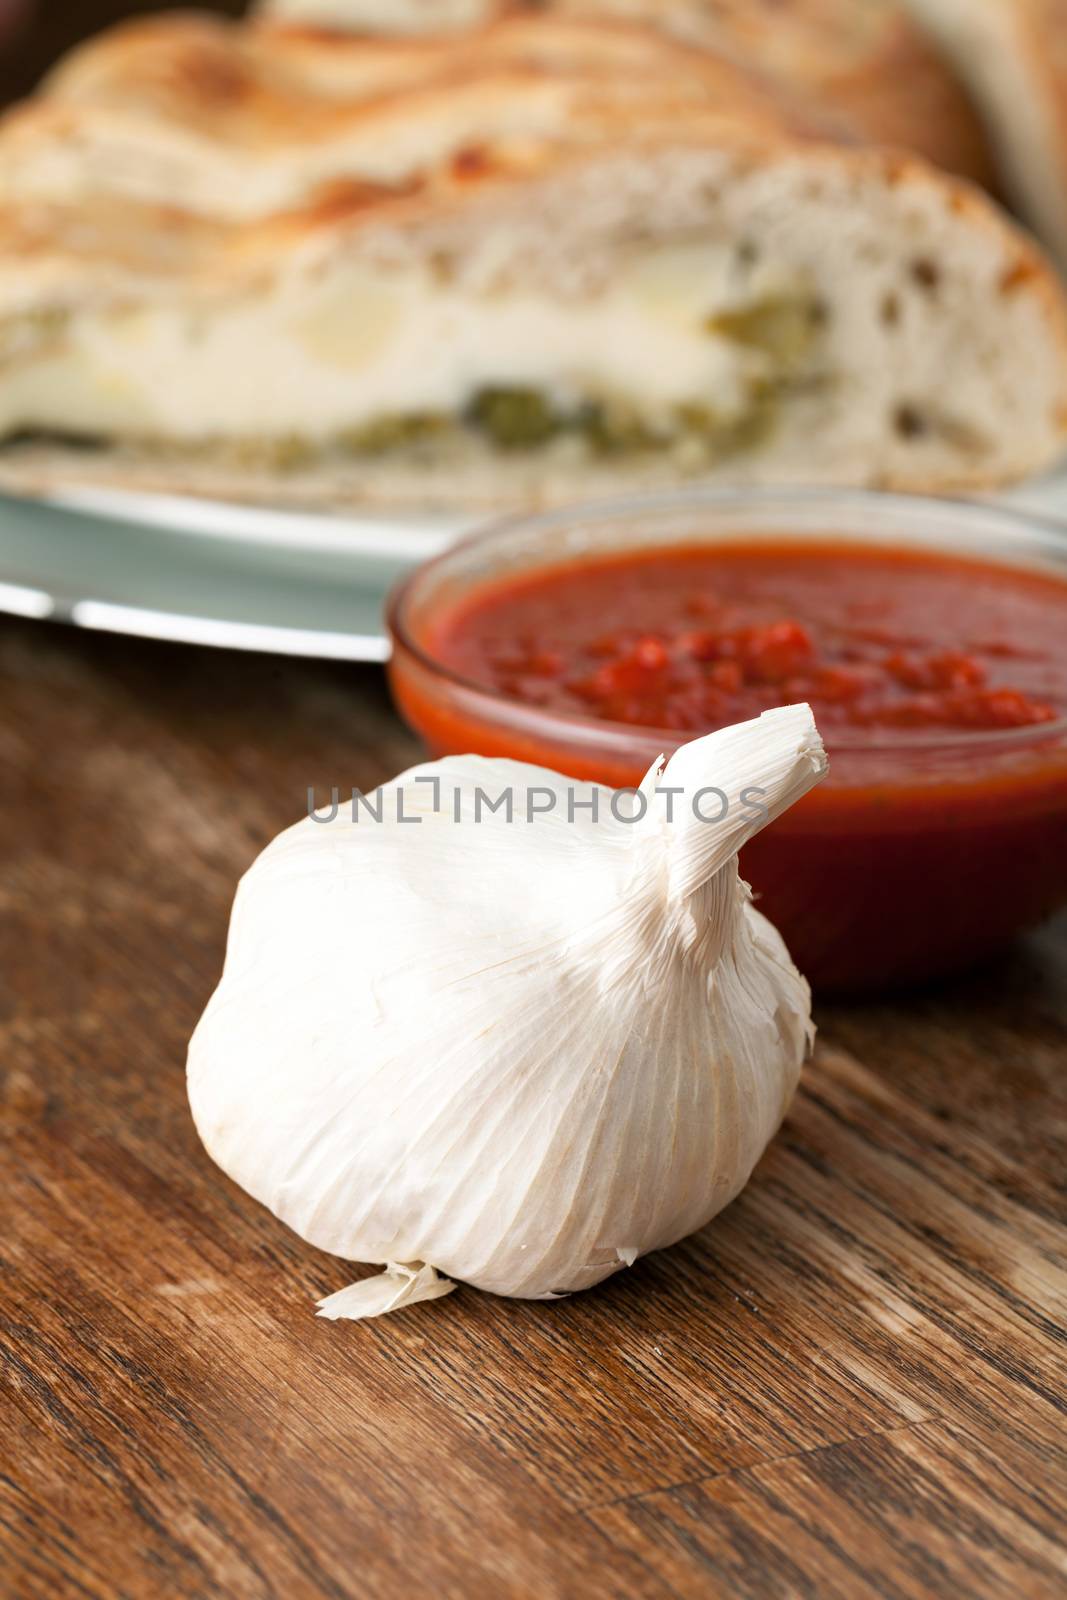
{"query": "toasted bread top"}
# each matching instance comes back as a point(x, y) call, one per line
point(267, 86)
point(865, 64)
point(245, 123)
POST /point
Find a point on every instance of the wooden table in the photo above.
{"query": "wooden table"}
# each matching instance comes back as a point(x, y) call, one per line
point(850, 1385)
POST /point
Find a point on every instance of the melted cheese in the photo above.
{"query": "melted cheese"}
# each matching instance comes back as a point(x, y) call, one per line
point(343, 350)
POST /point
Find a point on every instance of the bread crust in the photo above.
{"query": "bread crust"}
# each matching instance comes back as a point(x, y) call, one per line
point(1012, 55)
point(864, 65)
point(154, 241)
point(39, 469)
point(278, 86)
point(1044, 47)
point(866, 61)
point(245, 123)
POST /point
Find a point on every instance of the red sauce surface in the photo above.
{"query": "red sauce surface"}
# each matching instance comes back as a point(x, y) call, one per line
point(691, 639)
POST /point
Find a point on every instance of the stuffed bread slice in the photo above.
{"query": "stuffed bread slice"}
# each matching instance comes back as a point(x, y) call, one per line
point(539, 325)
point(1012, 54)
point(864, 64)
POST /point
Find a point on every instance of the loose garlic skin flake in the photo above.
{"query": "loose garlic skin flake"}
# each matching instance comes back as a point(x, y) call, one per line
point(515, 1053)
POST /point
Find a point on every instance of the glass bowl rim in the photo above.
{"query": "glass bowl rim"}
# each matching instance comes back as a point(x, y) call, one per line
point(1045, 530)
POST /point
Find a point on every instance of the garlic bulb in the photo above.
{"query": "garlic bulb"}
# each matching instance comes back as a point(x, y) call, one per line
point(519, 1051)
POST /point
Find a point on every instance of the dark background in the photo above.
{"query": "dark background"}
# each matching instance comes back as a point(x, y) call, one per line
point(35, 33)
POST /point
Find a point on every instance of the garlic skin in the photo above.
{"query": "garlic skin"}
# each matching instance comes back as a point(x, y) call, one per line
point(520, 1054)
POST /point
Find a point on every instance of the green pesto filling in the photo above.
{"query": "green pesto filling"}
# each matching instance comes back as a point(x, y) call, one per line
point(782, 330)
point(516, 420)
point(28, 333)
point(782, 327)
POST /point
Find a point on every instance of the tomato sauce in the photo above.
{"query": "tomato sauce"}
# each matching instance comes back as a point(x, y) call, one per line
point(689, 640)
point(939, 683)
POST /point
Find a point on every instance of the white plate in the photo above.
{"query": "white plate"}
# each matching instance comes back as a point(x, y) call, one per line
point(411, 538)
point(210, 573)
point(240, 576)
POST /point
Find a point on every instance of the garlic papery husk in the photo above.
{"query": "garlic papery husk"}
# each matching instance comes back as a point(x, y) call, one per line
point(519, 1053)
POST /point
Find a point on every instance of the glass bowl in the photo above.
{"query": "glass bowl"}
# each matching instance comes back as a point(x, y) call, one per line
point(918, 855)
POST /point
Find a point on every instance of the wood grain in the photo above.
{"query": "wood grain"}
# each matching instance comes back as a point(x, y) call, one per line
point(852, 1384)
